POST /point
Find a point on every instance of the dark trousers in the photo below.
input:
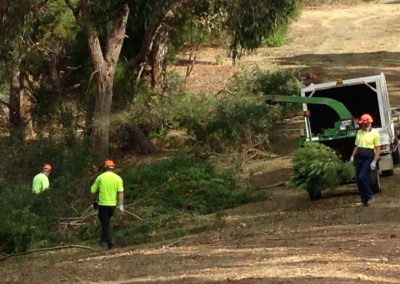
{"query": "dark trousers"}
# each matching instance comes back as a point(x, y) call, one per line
point(105, 213)
point(363, 172)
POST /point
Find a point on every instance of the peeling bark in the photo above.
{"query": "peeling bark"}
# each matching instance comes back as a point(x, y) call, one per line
point(157, 60)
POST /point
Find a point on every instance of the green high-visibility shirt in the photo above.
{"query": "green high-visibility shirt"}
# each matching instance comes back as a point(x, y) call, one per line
point(108, 184)
point(40, 183)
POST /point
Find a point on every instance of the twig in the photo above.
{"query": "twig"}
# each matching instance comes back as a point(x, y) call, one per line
point(225, 91)
point(73, 208)
point(69, 218)
point(45, 249)
point(86, 211)
point(261, 153)
point(171, 244)
point(273, 185)
point(87, 216)
point(73, 223)
point(134, 215)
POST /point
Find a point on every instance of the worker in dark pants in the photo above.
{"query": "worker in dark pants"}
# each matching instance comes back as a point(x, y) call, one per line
point(108, 186)
point(366, 155)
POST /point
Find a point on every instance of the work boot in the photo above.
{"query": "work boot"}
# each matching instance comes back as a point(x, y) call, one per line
point(371, 201)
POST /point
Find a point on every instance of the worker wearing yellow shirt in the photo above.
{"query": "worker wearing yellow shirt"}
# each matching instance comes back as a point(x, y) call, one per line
point(41, 181)
point(366, 155)
point(109, 187)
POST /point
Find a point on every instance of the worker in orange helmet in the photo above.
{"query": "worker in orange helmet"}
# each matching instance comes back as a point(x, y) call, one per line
point(41, 181)
point(366, 155)
point(108, 186)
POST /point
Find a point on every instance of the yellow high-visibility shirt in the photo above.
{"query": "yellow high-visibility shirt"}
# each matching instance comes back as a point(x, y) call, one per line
point(368, 139)
point(108, 184)
point(40, 183)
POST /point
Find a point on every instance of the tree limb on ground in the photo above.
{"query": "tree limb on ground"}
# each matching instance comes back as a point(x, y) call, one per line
point(45, 249)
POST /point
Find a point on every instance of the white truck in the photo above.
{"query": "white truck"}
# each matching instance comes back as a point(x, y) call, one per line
point(359, 95)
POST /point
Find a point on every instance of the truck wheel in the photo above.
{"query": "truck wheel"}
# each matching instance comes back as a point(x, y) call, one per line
point(396, 155)
point(375, 182)
point(314, 195)
point(388, 173)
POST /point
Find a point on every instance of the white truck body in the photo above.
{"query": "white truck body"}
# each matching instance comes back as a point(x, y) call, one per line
point(359, 95)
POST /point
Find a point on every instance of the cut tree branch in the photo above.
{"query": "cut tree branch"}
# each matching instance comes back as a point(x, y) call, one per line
point(45, 249)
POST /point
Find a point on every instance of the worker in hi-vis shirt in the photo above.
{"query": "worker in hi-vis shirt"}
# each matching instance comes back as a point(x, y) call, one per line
point(366, 154)
point(110, 189)
point(41, 181)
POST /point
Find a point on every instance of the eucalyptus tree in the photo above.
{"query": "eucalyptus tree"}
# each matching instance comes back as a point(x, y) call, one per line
point(250, 21)
point(144, 25)
point(104, 23)
point(35, 35)
point(17, 25)
point(159, 25)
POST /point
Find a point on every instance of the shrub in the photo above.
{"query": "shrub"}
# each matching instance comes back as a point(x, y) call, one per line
point(240, 117)
point(188, 184)
point(316, 167)
point(33, 220)
point(213, 122)
point(279, 37)
point(27, 220)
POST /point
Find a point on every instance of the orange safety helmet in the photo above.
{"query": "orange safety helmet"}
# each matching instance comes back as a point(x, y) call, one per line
point(109, 164)
point(46, 167)
point(365, 118)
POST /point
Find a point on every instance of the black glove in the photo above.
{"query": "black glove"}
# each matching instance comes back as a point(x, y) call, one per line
point(95, 205)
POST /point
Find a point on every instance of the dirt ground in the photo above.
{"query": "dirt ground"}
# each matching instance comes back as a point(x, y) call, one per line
point(286, 239)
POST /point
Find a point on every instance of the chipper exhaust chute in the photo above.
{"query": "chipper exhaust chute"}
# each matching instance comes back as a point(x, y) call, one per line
point(340, 136)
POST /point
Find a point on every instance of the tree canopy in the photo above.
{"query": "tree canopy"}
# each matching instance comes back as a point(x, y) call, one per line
point(73, 49)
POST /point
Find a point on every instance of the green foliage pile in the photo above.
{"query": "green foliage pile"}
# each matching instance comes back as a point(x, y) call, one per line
point(28, 220)
point(163, 190)
point(316, 168)
point(171, 195)
point(188, 184)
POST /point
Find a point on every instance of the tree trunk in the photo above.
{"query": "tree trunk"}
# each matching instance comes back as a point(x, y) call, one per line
point(26, 105)
point(54, 75)
point(157, 60)
point(16, 125)
point(101, 118)
point(105, 64)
